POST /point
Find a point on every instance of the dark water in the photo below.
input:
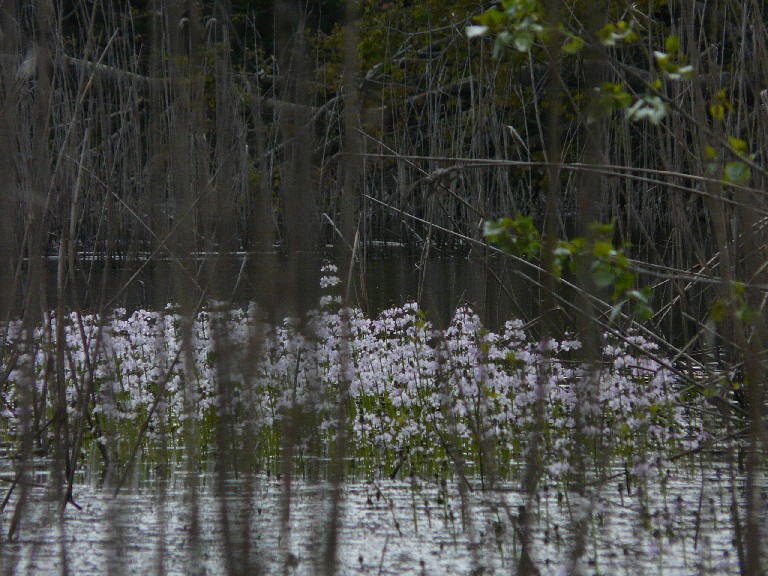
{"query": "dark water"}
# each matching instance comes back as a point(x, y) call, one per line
point(287, 285)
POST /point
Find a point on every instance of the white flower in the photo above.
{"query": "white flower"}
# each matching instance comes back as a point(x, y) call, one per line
point(651, 107)
point(328, 281)
point(329, 268)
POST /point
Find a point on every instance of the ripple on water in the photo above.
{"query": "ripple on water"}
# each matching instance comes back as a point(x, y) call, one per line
point(686, 527)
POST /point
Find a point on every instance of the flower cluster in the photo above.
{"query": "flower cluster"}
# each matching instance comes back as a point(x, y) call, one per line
point(409, 393)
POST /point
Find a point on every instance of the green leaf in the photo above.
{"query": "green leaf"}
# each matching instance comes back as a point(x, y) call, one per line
point(505, 38)
point(574, 44)
point(613, 96)
point(490, 18)
point(641, 296)
point(603, 250)
point(517, 237)
point(603, 231)
point(720, 106)
point(523, 41)
point(672, 44)
point(495, 230)
point(738, 145)
point(616, 310)
point(737, 173)
point(717, 111)
point(611, 34)
point(744, 313)
point(603, 278)
point(718, 311)
point(496, 17)
point(606, 34)
point(624, 282)
point(623, 100)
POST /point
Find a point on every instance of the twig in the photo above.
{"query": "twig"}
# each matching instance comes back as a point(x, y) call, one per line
point(383, 553)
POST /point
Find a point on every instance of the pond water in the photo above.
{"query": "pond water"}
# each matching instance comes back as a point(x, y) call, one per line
point(680, 521)
point(682, 525)
point(282, 284)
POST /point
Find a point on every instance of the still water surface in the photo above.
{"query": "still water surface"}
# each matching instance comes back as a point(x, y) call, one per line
point(284, 285)
point(683, 526)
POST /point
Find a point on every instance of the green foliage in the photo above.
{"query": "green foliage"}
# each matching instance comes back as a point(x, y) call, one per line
point(517, 23)
point(520, 22)
point(720, 106)
point(613, 96)
point(672, 44)
point(517, 237)
point(573, 44)
point(737, 302)
point(671, 62)
point(735, 172)
point(738, 171)
point(609, 266)
point(612, 34)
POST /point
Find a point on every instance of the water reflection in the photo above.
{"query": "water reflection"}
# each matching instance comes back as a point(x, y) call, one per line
point(681, 525)
point(285, 285)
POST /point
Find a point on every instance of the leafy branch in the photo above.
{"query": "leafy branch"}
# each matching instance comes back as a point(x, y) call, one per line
point(608, 264)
